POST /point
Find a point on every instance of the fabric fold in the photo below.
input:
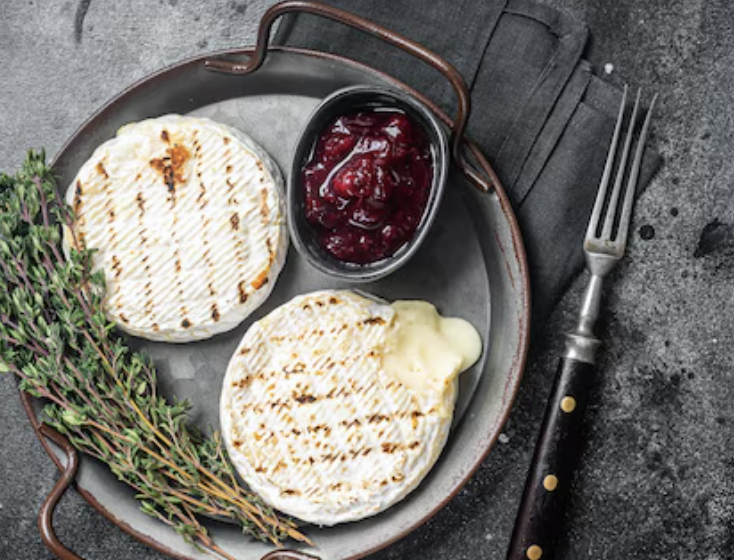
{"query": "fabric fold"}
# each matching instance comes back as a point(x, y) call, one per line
point(550, 134)
point(459, 31)
point(558, 53)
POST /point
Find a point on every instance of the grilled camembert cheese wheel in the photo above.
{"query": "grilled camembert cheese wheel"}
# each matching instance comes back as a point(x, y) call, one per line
point(187, 219)
point(336, 406)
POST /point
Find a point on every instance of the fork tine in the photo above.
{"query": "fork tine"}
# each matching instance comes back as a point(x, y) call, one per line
point(632, 182)
point(606, 233)
point(604, 183)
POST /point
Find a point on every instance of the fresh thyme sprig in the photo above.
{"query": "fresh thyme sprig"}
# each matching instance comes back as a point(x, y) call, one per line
point(103, 396)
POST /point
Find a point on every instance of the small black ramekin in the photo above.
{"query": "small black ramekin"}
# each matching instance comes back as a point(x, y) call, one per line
point(351, 100)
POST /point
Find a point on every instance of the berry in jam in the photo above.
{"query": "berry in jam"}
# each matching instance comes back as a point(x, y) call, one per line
point(367, 184)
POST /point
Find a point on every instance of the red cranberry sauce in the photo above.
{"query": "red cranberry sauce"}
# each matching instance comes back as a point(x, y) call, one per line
point(367, 184)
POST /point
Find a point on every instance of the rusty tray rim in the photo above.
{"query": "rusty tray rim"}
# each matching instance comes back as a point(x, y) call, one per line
point(520, 358)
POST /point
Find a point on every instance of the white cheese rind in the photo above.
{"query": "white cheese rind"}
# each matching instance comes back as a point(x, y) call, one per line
point(187, 217)
point(312, 421)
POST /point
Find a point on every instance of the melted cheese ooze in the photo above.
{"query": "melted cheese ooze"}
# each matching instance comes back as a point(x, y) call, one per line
point(425, 351)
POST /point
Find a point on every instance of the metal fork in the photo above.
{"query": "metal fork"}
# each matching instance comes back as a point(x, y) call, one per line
point(541, 509)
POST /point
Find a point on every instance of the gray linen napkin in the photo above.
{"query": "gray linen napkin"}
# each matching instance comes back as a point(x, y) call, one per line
point(539, 113)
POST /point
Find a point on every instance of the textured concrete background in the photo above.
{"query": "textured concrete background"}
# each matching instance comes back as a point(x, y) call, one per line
point(657, 475)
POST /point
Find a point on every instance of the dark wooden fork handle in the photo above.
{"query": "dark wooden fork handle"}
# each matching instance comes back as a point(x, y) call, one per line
point(556, 453)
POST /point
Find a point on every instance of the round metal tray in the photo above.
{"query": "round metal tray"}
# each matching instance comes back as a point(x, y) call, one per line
point(471, 266)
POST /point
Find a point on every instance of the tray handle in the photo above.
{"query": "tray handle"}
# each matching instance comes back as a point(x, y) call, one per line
point(419, 51)
point(288, 555)
point(46, 513)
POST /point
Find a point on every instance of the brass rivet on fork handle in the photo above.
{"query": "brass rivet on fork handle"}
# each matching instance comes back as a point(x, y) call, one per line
point(541, 511)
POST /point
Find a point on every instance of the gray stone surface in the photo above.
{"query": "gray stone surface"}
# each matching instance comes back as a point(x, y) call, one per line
point(656, 476)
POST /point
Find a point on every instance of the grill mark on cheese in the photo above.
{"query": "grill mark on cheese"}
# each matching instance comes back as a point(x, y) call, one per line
point(298, 367)
point(149, 304)
point(260, 280)
point(143, 234)
point(108, 206)
point(390, 447)
point(235, 221)
point(139, 236)
point(240, 249)
point(171, 167)
point(202, 200)
point(264, 209)
point(355, 397)
point(271, 252)
point(141, 204)
point(279, 404)
point(242, 383)
point(392, 405)
point(186, 322)
point(102, 171)
point(173, 174)
point(116, 266)
point(237, 226)
point(78, 192)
